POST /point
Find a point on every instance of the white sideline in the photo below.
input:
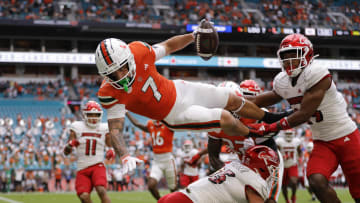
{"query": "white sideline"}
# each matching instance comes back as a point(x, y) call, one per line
point(9, 200)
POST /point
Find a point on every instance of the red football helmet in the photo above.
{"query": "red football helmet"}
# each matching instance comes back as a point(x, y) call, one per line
point(261, 159)
point(92, 113)
point(231, 85)
point(250, 87)
point(299, 44)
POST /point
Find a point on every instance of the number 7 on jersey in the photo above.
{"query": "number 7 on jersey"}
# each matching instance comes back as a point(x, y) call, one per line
point(151, 83)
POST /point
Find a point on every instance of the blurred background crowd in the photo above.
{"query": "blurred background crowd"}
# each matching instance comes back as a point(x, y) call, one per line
point(225, 12)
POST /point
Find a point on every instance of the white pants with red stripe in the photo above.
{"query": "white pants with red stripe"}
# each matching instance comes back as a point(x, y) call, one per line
point(198, 107)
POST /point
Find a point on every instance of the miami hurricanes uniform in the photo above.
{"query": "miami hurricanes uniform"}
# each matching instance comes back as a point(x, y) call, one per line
point(191, 173)
point(290, 156)
point(178, 104)
point(236, 143)
point(90, 156)
point(336, 137)
point(164, 162)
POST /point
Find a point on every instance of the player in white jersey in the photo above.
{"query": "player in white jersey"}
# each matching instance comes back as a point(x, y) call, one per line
point(90, 138)
point(239, 181)
point(290, 147)
point(237, 144)
point(189, 172)
point(309, 89)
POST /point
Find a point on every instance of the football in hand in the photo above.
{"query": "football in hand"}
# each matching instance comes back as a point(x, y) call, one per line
point(206, 40)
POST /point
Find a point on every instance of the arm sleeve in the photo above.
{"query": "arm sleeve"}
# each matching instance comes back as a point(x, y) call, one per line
point(116, 111)
point(160, 51)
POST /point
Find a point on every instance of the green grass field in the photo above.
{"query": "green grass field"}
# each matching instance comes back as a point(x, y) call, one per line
point(128, 197)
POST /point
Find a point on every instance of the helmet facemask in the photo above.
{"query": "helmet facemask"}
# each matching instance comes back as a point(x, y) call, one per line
point(187, 146)
point(92, 118)
point(294, 65)
point(127, 80)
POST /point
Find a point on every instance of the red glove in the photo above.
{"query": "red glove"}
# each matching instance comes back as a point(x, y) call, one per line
point(194, 160)
point(73, 143)
point(264, 129)
point(110, 154)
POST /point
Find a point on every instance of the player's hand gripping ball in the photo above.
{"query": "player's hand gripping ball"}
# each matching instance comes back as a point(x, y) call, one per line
point(206, 40)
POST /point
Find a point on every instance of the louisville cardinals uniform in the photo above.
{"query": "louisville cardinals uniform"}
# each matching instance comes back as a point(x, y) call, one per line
point(236, 143)
point(227, 185)
point(336, 137)
point(90, 156)
point(191, 173)
point(290, 157)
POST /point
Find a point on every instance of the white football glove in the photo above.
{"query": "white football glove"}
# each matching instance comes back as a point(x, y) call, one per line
point(129, 163)
point(248, 143)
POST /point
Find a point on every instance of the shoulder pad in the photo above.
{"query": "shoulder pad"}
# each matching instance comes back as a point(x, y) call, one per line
point(278, 84)
point(314, 73)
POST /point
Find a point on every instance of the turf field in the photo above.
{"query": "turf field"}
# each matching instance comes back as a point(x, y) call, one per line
point(128, 197)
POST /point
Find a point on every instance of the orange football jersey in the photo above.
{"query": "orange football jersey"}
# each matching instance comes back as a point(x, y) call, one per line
point(151, 94)
point(236, 143)
point(161, 137)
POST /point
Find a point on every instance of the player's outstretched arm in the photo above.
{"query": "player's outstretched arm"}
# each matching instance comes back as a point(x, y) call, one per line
point(116, 126)
point(71, 143)
point(265, 99)
point(137, 123)
point(310, 102)
point(214, 148)
point(177, 43)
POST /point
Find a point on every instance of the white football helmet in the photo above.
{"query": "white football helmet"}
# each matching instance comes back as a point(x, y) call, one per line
point(310, 147)
point(289, 135)
point(233, 86)
point(111, 55)
point(188, 146)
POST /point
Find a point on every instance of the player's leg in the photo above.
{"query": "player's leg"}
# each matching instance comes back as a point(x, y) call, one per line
point(323, 162)
point(101, 191)
point(200, 107)
point(199, 118)
point(99, 180)
point(83, 186)
point(284, 185)
point(349, 156)
point(293, 181)
point(210, 96)
point(175, 197)
point(170, 175)
point(153, 179)
point(244, 108)
point(293, 185)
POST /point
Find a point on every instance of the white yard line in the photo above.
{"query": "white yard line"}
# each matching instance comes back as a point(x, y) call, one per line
point(8, 200)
